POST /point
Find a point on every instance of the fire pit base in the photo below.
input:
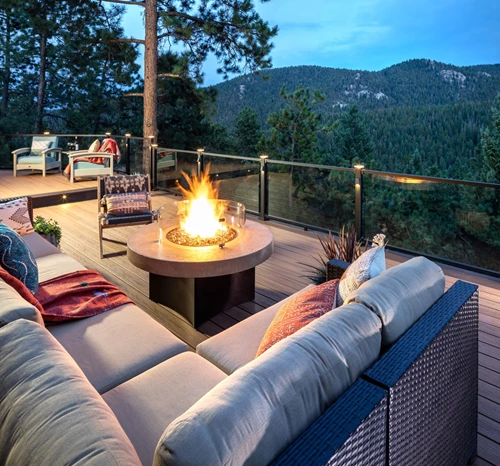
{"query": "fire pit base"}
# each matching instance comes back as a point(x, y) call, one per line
point(199, 299)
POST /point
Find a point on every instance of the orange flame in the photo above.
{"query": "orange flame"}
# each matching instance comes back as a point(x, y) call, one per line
point(200, 214)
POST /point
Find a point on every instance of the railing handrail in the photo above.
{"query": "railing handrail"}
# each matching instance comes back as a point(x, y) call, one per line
point(432, 179)
point(115, 136)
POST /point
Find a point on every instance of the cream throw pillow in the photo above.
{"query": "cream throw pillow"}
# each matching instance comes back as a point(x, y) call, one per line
point(94, 147)
point(368, 265)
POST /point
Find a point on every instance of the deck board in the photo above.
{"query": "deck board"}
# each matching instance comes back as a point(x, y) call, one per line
point(277, 278)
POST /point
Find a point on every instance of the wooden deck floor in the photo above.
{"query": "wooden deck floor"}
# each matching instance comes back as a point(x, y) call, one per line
point(33, 184)
point(277, 278)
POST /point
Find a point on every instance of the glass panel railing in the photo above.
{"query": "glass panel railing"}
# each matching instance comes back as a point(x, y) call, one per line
point(238, 180)
point(311, 196)
point(451, 221)
point(169, 164)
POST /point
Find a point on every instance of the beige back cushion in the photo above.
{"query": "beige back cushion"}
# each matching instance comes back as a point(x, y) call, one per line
point(251, 416)
point(401, 294)
point(50, 414)
point(13, 306)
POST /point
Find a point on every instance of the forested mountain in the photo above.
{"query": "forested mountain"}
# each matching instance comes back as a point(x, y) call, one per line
point(413, 83)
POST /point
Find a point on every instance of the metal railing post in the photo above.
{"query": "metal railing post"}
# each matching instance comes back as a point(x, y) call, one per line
point(264, 188)
point(200, 163)
point(127, 153)
point(154, 165)
point(358, 200)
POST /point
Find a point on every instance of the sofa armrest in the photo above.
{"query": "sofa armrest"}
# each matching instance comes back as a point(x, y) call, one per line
point(335, 268)
point(431, 373)
point(351, 431)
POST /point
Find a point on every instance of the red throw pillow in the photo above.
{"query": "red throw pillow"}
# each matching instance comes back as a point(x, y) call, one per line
point(298, 312)
point(21, 288)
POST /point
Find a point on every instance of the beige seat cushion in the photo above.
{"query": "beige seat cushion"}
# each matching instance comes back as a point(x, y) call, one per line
point(39, 246)
point(251, 416)
point(14, 307)
point(117, 345)
point(55, 265)
point(238, 345)
point(50, 414)
point(401, 294)
point(148, 403)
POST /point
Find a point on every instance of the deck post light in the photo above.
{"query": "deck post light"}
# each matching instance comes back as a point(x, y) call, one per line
point(263, 188)
point(46, 133)
point(358, 200)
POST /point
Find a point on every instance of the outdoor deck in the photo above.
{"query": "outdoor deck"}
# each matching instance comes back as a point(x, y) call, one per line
point(277, 278)
point(33, 184)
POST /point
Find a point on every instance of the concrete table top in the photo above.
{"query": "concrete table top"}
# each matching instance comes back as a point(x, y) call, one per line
point(253, 245)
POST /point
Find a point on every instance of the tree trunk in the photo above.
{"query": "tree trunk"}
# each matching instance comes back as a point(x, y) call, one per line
point(41, 83)
point(150, 79)
point(6, 74)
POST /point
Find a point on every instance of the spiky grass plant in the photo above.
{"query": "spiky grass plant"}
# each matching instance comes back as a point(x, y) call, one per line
point(344, 247)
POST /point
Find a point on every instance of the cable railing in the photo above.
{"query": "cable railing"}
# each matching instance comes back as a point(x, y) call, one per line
point(456, 222)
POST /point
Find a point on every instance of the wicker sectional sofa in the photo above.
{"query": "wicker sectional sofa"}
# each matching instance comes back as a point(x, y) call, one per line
point(118, 388)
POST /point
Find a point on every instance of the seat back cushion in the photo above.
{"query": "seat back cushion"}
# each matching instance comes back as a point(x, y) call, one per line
point(401, 294)
point(49, 412)
point(41, 143)
point(251, 416)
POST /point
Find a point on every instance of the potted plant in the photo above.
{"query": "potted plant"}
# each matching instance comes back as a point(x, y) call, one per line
point(49, 229)
point(345, 247)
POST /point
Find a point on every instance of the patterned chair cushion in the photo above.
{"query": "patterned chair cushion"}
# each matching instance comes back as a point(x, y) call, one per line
point(15, 215)
point(142, 218)
point(38, 146)
point(17, 259)
point(124, 184)
point(299, 312)
point(126, 204)
point(370, 264)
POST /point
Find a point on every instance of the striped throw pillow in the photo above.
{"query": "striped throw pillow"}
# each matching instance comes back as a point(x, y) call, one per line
point(124, 204)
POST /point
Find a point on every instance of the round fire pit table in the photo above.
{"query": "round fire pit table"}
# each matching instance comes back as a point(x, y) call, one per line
point(198, 282)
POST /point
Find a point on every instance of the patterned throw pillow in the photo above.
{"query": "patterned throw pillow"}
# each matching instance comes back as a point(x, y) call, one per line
point(17, 259)
point(299, 312)
point(94, 147)
point(15, 215)
point(370, 264)
point(38, 146)
point(127, 204)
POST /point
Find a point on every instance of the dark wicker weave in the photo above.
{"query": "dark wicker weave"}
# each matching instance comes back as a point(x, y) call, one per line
point(335, 268)
point(30, 204)
point(351, 432)
point(432, 377)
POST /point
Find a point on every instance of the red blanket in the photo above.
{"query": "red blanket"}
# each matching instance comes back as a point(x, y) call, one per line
point(77, 295)
point(109, 146)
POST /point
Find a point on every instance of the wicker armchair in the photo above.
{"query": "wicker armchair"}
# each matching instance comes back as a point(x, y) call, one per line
point(120, 184)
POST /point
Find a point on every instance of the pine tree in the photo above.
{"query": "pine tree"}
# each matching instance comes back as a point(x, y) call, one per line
point(352, 141)
point(231, 30)
point(489, 147)
point(247, 132)
point(294, 129)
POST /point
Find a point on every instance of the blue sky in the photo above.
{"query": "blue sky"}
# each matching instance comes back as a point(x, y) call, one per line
point(372, 34)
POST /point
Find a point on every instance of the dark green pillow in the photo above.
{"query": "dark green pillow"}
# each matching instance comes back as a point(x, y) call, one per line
point(17, 258)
